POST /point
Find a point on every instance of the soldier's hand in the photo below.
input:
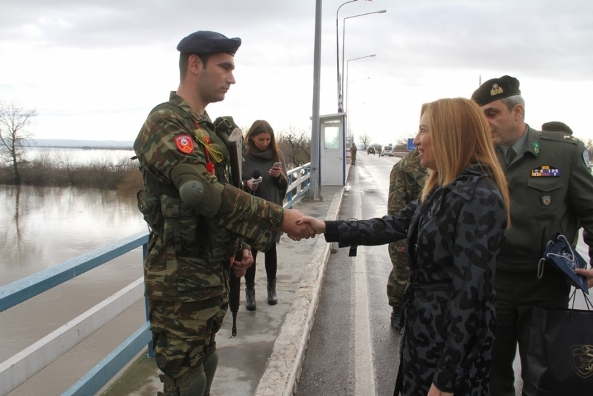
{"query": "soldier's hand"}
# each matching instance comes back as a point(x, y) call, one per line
point(317, 225)
point(240, 267)
point(296, 231)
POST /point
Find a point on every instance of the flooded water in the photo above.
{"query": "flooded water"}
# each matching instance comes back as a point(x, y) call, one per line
point(42, 227)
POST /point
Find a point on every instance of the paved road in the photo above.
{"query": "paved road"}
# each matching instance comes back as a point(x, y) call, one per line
point(352, 349)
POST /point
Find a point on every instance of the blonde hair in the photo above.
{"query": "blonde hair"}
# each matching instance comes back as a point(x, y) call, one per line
point(460, 137)
point(257, 128)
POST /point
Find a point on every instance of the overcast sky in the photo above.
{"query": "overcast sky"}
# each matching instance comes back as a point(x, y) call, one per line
point(93, 69)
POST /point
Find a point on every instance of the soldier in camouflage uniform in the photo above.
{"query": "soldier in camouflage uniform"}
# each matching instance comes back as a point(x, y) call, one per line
point(195, 216)
point(405, 184)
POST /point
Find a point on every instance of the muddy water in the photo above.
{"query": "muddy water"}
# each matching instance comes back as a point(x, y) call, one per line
point(42, 227)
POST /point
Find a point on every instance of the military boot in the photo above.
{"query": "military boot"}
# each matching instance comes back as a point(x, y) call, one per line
point(272, 298)
point(250, 296)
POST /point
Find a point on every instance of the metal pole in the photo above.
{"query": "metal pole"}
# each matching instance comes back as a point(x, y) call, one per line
point(340, 101)
point(313, 193)
point(344, 38)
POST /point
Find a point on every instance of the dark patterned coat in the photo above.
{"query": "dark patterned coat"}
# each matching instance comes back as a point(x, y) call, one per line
point(454, 239)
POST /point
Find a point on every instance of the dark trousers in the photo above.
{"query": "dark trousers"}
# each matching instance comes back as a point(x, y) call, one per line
point(271, 262)
point(516, 294)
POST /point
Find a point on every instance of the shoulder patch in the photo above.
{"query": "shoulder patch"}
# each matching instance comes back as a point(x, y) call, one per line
point(586, 158)
point(185, 144)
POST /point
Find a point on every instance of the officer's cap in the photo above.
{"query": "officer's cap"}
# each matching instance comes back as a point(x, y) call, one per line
point(556, 126)
point(496, 88)
point(206, 42)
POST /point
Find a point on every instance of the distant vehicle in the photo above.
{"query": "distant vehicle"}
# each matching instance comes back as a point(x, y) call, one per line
point(371, 150)
point(387, 150)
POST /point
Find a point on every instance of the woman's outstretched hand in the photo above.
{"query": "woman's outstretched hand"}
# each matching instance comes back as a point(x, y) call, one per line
point(317, 225)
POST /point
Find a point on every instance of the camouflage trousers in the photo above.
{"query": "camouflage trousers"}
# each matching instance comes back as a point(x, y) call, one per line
point(183, 333)
point(400, 272)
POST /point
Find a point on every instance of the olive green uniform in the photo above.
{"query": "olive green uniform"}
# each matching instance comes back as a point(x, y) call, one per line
point(188, 257)
point(353, 150)
point(405, 185)
point(551, 187)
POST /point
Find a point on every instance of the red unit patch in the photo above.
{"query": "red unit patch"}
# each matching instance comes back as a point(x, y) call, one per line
point(185, 144)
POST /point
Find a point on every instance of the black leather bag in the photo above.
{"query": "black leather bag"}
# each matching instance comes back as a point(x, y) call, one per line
point(560, 352)
point(561, 255)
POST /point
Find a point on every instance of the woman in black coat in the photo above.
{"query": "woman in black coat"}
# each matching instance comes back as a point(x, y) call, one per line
point(264, 159)
point(454, 233)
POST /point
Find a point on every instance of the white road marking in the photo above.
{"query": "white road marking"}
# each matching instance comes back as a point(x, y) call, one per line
point(364, 377)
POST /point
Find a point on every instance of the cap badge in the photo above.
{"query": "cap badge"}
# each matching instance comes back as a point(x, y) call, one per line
point(496, 89)
point(185, 144)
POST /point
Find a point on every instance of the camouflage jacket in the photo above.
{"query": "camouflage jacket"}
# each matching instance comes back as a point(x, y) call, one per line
point(188, 255)
point(405, 185)
point(453, 242)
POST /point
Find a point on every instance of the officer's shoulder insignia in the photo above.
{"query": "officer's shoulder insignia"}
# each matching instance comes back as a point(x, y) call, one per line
point(559, 137)
point(545, 171)
point(586, 158)
point(185, 144)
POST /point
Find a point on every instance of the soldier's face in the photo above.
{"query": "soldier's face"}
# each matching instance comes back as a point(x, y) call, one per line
point(505, 124)
point(215, 78)
point(424, 142)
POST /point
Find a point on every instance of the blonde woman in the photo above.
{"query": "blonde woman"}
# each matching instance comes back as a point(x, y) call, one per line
point(454, 233)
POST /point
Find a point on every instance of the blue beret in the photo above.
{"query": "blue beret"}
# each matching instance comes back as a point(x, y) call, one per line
point(206, 42)
point(496, 88)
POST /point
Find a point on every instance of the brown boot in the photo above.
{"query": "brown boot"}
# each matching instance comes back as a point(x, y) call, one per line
point(272, 298)
point(250, 296)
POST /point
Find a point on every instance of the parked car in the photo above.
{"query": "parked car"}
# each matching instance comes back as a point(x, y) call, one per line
point(371, 150)
point(387, 150)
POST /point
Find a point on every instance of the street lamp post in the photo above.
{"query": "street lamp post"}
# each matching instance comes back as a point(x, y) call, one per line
point(340, 109)
point(347, 92)
point(344, 38)
point(347, 67)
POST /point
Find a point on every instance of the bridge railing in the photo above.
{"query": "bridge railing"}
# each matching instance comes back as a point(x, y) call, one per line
point(25, 364)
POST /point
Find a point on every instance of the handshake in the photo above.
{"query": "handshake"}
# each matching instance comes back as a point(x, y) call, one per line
point(299, 226)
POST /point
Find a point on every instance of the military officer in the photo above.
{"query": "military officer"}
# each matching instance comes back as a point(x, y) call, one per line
point(195, 216)
point(551, 187)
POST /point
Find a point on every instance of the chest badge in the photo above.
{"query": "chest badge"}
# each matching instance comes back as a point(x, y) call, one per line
point(545, 171)
point(546, 200)
point(185, 144)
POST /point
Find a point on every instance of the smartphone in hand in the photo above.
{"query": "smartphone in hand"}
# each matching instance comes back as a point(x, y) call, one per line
point(277, 165)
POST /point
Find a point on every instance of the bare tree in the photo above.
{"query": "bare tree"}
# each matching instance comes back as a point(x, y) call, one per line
point(365, 140)
point(295, 145)
point(13, 135)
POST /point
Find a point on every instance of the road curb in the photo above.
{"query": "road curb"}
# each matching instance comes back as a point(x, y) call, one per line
point(285, 363)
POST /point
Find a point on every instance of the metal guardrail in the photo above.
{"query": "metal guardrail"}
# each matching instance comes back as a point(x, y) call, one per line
point(25, 364)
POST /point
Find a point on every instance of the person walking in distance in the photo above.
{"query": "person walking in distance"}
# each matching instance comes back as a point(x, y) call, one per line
point(195, 215)
point(264, 159)
point(405, 185)
point(540, 208)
